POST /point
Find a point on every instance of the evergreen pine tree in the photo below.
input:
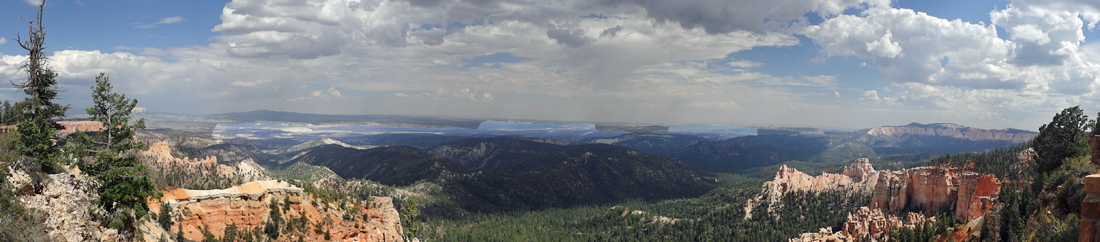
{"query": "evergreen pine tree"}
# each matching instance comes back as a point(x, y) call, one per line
point(38, 127)
point(123, 182)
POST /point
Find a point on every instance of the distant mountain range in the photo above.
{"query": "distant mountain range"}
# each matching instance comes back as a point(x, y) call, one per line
point(509, 173)
point(954, 131)
point(747, 152)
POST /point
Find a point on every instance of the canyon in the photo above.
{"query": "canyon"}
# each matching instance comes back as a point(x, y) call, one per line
point(927, 188)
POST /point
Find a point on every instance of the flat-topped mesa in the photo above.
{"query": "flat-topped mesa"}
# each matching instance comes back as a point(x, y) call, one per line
point(252, 191)
point(246, 206)
point(955, 131)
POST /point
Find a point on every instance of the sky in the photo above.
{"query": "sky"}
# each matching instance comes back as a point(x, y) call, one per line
point(842, 64)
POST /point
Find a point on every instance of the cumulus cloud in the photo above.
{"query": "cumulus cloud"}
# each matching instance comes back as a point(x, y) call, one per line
point(870, 95)
point(255, 83)
point(163, 21)
point(3, 40)
point(906, 47)
point(958, 67)
point(33, 2)
point(633, 57)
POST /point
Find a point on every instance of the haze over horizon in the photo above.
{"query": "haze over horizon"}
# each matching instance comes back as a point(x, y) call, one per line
point(817, 63)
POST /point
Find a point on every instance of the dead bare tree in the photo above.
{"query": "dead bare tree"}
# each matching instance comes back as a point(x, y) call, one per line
point(40, 114)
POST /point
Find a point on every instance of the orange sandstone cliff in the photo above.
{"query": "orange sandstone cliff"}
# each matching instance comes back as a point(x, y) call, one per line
point(919, 188)
point(247, 207)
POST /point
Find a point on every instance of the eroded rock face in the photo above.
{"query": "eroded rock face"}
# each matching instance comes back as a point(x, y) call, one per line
point(247, 206)
point(930, 187)
point(854, 177)
point(859, 177)
point(859, 170)
point(920, 188)
point(934, 187)
point(976, 196)
point(73, 126)
point(160, 153)
point(865, 225)
point(873, 223)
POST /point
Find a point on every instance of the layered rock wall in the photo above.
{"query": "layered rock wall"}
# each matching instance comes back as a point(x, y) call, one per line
point(1090, 210)
point(933, 187)
point(976, 196)
point(247, 206)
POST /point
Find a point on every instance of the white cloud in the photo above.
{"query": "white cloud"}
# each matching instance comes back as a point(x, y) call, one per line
point(870, 95)
point(163, 21)
point(884, 47)
point(251, 83)
point(33, 2)
point(744, 64)
point(960, 70)
point(335, 93)
point(3, 40)
point(821, 80)
point(419, 56)
point(907, 46)
point(1030, 32)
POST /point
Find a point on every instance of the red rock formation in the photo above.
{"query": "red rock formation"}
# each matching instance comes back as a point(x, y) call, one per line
point(70, 127)
point(859, 170)
point(1094, 144)
point(855, 178)
point(246, 206)
point(73, 126)
point(160, 153)
point(976, 196)
point(873, 223)
point(788, 179)
point(934, 187)
point(931, 187)
point(891, 191)
point(955, 131)
point(865, 225)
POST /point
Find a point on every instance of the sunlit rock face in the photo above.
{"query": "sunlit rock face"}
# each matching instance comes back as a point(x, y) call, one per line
point(920, 188)
point(247, 206)
point(934, 187)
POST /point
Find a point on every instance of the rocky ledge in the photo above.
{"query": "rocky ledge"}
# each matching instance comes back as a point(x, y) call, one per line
point(247, 206)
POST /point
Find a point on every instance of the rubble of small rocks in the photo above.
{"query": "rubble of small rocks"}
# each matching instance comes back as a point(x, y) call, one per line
point(66, 199)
